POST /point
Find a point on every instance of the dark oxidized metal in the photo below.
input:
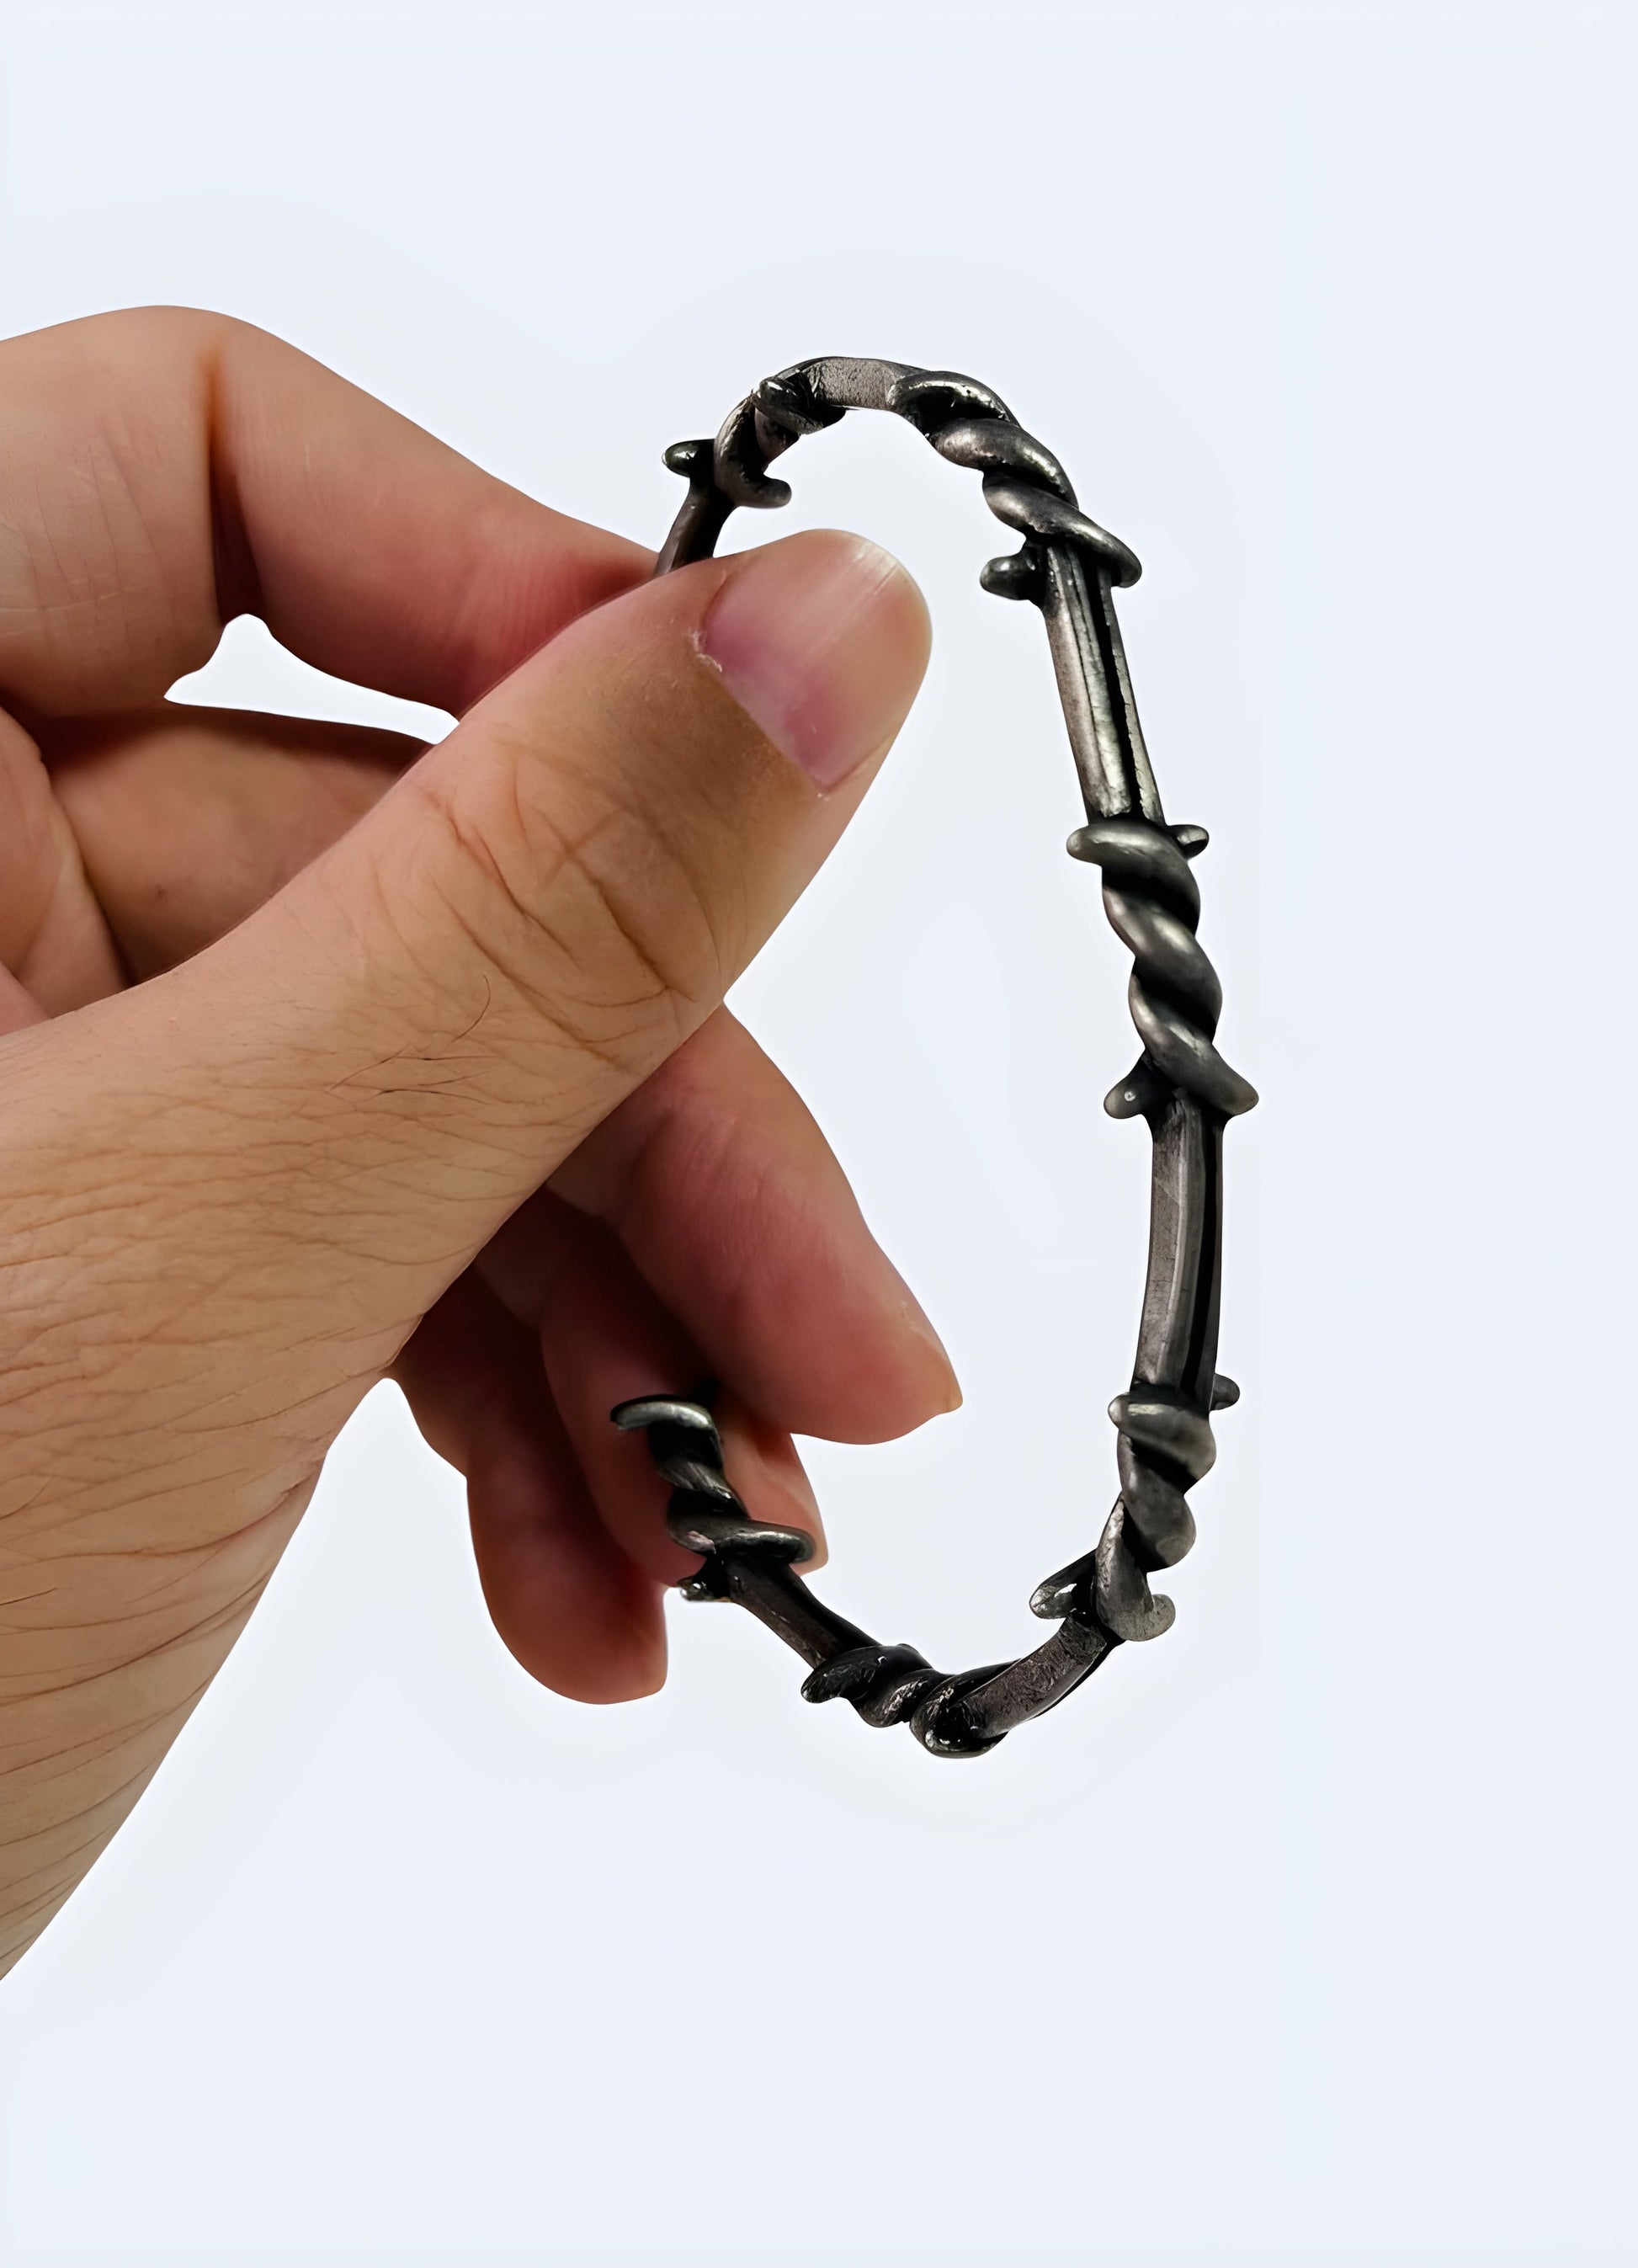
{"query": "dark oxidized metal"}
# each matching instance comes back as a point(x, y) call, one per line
point(1069, 568)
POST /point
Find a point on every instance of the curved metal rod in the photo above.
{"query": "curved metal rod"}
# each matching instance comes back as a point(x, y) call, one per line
point(1069, 568)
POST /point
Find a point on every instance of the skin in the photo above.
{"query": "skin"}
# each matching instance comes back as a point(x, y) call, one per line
point(326, 1059)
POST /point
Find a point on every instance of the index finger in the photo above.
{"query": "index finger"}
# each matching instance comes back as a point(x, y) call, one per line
point(167, 469)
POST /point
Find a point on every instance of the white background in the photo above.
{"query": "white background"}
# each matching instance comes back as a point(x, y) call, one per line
point(1304, 1935)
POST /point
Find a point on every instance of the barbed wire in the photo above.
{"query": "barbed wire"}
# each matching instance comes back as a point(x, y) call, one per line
point(1068, 566)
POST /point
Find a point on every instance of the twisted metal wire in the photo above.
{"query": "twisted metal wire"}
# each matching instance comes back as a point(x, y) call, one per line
point(969, 424)
point(1068, 566)
point(753, 1563)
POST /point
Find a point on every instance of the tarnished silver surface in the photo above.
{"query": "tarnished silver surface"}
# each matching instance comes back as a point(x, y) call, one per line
point(1069, 568)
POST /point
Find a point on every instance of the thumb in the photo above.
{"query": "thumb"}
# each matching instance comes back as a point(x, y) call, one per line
point(364, 1080)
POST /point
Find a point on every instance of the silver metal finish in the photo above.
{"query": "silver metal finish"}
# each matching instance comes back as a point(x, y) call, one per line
point(1069, 568)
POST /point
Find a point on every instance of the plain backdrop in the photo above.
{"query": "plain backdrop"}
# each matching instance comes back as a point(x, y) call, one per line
point(1304, 1935)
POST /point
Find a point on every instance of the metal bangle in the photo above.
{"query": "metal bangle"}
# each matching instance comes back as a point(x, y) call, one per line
point(1069, 568)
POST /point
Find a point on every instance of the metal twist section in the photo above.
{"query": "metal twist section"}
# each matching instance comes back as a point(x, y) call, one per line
point(1069, 568)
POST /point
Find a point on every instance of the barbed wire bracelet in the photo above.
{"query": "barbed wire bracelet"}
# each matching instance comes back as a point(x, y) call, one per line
point(1069, 568)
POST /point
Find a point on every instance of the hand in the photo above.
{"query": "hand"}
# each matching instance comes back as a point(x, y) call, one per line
point(325, 1058)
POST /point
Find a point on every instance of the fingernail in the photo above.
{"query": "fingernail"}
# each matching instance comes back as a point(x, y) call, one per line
point(822, 639)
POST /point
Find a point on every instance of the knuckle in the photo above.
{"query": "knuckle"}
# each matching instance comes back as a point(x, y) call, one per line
point(580, 902)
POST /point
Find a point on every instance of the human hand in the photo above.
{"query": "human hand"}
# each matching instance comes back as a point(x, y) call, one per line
point(324, 1059)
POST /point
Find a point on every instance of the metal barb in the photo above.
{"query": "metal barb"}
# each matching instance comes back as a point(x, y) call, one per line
point(1069, 568)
